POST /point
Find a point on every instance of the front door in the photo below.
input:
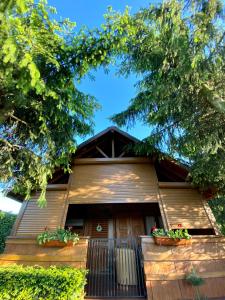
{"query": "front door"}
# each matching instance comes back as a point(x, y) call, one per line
point(129, 226)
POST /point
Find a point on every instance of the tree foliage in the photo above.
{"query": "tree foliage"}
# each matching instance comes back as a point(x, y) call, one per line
point(178, 51)
point(41, 110)
point(218, 208)
point(6, 223)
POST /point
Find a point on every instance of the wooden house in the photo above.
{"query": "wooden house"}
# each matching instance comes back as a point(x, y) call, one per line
point(112, 199)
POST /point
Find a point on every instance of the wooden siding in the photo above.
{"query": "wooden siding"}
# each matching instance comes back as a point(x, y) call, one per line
point(166, 267)
point(22, 250)
point(113, 183)
point(35, 219)
point(185, 207)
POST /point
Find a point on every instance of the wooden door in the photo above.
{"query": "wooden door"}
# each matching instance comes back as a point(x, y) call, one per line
point(97, 228)
point(129, 226)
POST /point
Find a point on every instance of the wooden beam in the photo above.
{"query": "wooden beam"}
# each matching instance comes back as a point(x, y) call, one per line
point(175, 185)
point(113, 147)
point(19, 218)
point(116, 160)
point(211, 217)
point(102, 152)
point(122, 154)
point(45, 258)
point(57, 187)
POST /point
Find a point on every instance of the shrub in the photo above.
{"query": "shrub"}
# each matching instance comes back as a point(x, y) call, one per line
point(6, 223)
point(38, 283)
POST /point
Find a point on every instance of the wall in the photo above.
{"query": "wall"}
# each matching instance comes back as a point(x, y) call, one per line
point(113, 183)
point(122, 180)
point(185, 207)
point(27, 252)
point(32, 219)
point(166, 266)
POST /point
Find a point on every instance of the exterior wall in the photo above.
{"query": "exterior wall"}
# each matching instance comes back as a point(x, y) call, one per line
point(27, 252)
point(166, 266)
point(119, 180)
point(113, 183)
point(185, 207)
point(32, 219)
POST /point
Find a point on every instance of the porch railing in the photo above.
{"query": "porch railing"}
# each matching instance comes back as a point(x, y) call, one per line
point(115, 269)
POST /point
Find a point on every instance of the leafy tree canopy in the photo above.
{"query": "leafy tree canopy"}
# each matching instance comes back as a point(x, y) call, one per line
point(177, 48)
point(178, 51)
point(41, 110)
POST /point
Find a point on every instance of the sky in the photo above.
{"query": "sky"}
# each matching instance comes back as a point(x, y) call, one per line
point(111, 91)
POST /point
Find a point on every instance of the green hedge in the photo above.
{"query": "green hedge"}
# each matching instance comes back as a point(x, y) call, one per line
point(38, 283)
point(6, 223)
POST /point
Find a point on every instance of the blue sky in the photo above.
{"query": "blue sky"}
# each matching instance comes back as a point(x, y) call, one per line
point(112, 92)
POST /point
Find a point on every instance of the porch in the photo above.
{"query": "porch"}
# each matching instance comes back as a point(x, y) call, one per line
point(114, 257)
point(113, 221)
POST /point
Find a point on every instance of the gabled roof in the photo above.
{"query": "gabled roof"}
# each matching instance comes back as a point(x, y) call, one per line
point(113, 142)
point(107, 130)
point(110, 142)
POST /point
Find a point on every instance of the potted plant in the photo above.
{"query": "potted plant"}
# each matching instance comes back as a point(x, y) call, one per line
point(171, 237)
point(59, 238)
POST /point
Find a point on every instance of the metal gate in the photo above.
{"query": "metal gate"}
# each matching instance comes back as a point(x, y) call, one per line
point(115, 269)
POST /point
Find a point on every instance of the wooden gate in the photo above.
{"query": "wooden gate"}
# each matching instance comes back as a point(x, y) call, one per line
point(115, 269)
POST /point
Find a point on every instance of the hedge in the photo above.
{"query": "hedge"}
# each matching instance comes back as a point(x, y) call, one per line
point(6, 223)
point(18, 282)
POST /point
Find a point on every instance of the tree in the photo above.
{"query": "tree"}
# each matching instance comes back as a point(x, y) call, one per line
point(41, 110)
point(178, 51)
point(6, 223)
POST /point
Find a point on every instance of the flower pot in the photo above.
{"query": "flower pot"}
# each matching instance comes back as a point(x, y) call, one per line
point(56, 243)
point(167, 241)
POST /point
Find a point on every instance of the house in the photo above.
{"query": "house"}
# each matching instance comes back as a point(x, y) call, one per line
point(112, 199)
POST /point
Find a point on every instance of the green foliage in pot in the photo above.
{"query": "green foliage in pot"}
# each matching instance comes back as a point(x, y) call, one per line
point(61, 234)
point(174, 234)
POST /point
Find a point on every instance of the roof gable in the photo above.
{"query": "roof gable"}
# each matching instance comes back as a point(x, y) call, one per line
point(109, 143)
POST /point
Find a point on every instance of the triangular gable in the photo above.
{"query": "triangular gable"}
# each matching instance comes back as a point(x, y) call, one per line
point(109, 143)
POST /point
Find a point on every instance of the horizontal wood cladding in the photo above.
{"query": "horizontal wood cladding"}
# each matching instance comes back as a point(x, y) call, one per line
point(113, 183)
point(35, 219)
point(185, 207)
point(166, 267)
point(27, 252)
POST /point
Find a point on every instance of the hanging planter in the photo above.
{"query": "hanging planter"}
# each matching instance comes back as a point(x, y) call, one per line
point(171, 237)
point(56, 243)
point(166, 241)
point(58, 238)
